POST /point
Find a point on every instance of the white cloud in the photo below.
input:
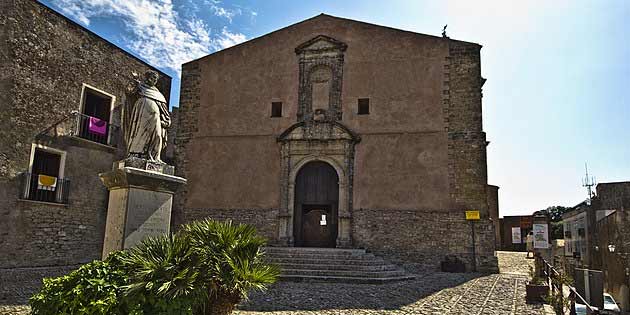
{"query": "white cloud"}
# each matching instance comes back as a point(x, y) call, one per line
point(154, 29)
point(222, 11)
point(228, 39)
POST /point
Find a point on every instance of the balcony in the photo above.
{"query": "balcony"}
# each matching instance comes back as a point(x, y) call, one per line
point(40, 187)
point(84, 127)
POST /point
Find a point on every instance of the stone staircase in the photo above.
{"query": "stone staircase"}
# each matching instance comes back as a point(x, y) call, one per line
point(333, 265)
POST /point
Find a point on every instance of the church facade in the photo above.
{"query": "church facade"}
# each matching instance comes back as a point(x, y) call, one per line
point(338, 133)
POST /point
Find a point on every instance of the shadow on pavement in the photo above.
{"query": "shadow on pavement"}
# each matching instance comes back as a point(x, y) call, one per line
point(292, 296)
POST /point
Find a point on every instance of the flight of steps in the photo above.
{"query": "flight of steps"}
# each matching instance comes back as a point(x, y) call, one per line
point(333, 265)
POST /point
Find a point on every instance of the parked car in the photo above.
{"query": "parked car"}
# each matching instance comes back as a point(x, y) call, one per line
point(610, 306)
point(580, 309)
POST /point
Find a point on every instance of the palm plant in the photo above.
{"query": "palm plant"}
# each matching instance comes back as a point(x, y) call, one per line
point(230, 259)
point(164, 276)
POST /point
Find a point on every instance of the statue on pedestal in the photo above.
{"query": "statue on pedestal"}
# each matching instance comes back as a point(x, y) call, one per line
point(146, 119)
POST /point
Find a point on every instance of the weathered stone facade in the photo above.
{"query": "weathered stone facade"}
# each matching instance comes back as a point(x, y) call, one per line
point(407, 170)
point(493, 210)
point(46, 61)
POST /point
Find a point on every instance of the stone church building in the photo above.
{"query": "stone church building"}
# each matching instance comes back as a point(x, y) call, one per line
point(338, 133)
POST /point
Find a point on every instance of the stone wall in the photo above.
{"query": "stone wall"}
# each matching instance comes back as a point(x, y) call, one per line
point(613, 195)
point(422, 239)
point(615, 230)
point(493, 210)
point(50, 59)
point(265, 220)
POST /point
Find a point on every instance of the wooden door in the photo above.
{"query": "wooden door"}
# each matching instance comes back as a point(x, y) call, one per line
point(316, 204)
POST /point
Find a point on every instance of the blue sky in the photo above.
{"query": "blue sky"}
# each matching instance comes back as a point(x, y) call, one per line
point(558, 89)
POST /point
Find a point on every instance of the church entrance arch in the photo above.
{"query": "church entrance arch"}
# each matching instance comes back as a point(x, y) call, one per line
point(316, 205)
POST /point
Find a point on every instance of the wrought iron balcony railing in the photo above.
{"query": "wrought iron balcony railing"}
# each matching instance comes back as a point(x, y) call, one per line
point(40, 187)
point(86, 127)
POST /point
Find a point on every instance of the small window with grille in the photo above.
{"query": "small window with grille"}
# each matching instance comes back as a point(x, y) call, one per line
point(44, 181)
point(363, 106)
point(276, 109)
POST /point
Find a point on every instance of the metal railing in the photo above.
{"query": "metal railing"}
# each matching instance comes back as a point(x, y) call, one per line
point(555, 280)
point(32, 189)
point(85, 127)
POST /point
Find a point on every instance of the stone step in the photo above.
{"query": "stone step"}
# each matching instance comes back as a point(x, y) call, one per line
point(343, 273)
point(315, 261)
point(322, 256)
point(325, 266)
point(302, 278)
point(315, 250)
point(333, 265)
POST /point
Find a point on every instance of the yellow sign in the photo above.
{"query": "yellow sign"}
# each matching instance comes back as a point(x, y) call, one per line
point(472, 215)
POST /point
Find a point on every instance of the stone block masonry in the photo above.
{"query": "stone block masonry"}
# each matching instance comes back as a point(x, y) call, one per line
point(45, 59)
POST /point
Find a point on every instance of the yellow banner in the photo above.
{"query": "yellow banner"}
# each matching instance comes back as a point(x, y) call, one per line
point(472, 215)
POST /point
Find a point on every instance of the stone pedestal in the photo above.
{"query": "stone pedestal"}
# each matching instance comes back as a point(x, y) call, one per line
point(140, 202)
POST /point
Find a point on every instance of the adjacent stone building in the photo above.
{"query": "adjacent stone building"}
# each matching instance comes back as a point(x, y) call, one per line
point(61, 87)
point(339, 133)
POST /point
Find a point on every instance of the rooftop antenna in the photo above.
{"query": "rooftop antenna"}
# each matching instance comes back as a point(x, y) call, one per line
point(588, 182)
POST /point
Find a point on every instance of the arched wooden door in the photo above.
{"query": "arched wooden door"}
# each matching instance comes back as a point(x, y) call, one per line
point(316, 205)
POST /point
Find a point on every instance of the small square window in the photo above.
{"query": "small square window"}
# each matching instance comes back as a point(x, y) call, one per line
point(276, 109)
point(364, 106)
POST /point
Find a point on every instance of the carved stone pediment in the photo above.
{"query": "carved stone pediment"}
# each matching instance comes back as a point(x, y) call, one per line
point(323, 131)
point(319, 44)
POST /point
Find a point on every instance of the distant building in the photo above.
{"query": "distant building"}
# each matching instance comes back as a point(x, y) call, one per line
point(514, 230)
point(612, 240)
point(61, 87)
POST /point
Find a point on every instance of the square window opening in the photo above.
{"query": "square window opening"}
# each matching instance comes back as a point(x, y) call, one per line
point(363, 106)
point(44, 182)
point(94, 119)
point(276, 109)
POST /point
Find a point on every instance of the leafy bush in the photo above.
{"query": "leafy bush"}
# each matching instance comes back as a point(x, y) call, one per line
point(206, 268)
point(94, 288)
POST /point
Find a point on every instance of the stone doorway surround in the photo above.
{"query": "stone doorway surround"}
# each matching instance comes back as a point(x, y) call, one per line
point(318, 135)
point(330, 143)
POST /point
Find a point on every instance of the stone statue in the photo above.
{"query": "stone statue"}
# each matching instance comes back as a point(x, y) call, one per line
point(145, 119)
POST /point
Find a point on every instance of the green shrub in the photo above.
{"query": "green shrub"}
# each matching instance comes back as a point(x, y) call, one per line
point(207, 268)
point(94, 288)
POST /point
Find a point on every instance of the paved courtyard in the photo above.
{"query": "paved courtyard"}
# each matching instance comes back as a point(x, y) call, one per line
point(432, 293)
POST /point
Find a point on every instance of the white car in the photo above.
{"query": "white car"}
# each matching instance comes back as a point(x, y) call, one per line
point(580, 309)
point(610, 306)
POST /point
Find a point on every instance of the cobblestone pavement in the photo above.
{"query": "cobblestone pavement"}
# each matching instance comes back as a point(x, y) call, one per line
point(514, 263)
point(430, 293)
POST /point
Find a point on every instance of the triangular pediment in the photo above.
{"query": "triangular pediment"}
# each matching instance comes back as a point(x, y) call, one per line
point(321, 43)
point(318, 131)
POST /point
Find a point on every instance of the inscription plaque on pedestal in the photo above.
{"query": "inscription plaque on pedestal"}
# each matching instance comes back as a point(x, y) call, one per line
point(140, 203)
